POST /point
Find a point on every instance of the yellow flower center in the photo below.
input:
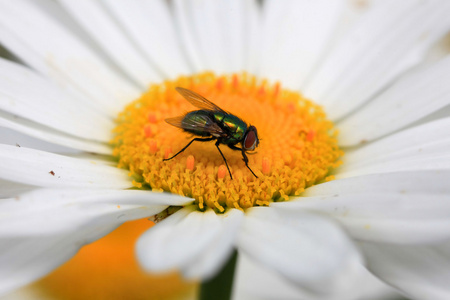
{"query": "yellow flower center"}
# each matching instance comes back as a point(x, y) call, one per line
point(298, 145)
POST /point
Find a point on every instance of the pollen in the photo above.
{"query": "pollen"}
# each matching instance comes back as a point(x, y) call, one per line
point(298, 144)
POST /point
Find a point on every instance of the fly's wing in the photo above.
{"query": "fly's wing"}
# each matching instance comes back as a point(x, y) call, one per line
point(176, 121)
point(200, 124)
point(198, 100)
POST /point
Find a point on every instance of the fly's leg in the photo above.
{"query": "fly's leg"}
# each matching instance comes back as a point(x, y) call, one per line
point(246, 162)
point(234, 147)
point(244, 156)
point(196, 139)
point(224, 159)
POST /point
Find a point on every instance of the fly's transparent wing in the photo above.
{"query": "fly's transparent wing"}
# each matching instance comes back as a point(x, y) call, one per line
point(200, 124)
point(198, 100)
point(176, 121)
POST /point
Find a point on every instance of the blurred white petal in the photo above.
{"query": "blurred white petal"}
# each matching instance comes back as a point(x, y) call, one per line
point(419, 148)
point(50, 135)
point(413, 97)
point(420, 272)
point(44, 103)
point(42, 229)
point(295, 35)
point(375, 52)
point(150, 26)
point(256, 282)
point(106, 31)
point(53, 211)
point(196, 242)
point(307, 249)
point(10, 189)
point(54, 51)
point(401, 208)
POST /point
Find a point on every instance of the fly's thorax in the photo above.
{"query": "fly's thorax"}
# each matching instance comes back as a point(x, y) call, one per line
point(235, 127)
point(218, 116)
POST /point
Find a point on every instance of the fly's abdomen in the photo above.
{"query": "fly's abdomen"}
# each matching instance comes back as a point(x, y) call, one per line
point(203, 123)
point(197, 122)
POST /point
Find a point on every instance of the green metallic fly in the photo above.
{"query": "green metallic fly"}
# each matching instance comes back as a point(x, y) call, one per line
point(213, 123)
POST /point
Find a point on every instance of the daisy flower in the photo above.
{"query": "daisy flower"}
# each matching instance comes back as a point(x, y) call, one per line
point(351, 171)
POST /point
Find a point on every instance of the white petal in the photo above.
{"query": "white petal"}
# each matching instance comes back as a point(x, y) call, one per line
point(423, 147)
point(93, 157)
point(54, 211)
point(98, 23)
point(56, 231)
point(150, 25)
point(48, 47)
point(295, 35)
point(15, 138)
point(440, 114)
point(412, 98)
point(253, 36)
point(351, 13)
point(219, 251)
point(401, 208)
point(11, 189)
point(41, 168)
point(186, 239)
point(255, 282)
point(27, 94)
point(221, 29)
point(52, 136)
point(204, 16)
point(410, 142)
point(184, 27)
point(234, 27)
point(307, 249)
point(421, 272)
point(177, 239)
point(389, 40)
point(214, 30)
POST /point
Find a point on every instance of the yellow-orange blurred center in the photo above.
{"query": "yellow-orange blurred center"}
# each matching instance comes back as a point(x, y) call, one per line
point(107, 269)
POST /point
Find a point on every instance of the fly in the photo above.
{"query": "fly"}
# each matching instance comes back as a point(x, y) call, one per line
point(213, 123)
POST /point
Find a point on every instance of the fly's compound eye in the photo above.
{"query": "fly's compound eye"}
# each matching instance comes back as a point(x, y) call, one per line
point(250, 140)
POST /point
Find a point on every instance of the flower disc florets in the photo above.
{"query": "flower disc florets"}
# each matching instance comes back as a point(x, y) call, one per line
point(298, 146)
